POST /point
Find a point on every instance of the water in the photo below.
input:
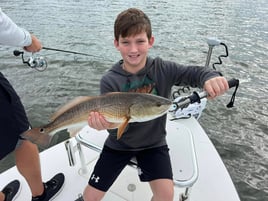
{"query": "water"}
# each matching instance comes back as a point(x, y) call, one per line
point(180, 29)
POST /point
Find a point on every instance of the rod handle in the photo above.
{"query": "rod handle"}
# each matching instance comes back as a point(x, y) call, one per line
point(233, 82)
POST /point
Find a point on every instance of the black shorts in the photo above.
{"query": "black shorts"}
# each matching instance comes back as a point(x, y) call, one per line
point(152, 163)
point(13, 119)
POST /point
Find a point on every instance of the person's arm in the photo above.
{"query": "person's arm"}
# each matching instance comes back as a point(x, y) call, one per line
point(13, 35)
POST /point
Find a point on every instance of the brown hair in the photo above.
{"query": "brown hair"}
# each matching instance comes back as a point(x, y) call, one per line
point(131, 22)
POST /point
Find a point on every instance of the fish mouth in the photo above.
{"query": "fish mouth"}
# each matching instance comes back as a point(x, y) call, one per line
point(38, 136)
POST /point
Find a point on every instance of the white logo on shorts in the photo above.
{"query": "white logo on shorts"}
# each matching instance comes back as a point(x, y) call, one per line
point(95, 178)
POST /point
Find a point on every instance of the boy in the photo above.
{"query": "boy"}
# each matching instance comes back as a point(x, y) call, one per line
point(146, 141)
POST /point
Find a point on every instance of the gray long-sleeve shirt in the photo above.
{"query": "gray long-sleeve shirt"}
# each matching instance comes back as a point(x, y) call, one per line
point(11, 34)
point(157, 77)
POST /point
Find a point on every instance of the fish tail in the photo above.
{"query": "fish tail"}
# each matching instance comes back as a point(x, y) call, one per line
point(41, 139)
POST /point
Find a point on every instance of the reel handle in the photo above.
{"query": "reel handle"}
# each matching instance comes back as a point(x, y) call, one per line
point(17, 53)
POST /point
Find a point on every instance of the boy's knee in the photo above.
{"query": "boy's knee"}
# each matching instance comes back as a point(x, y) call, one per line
point(163, 196)
point(92, 194)
point(163, 190)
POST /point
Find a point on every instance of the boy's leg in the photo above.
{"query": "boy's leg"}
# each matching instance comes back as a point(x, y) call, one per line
point(163, 190)
point(155, 167)
point(92, 194)
point(108, 167)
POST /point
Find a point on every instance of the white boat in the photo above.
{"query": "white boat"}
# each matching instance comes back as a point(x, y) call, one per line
point(199, 173)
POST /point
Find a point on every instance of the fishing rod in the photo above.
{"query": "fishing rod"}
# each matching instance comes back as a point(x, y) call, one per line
point(67, 51)
point(39, 63)
point(196, 97)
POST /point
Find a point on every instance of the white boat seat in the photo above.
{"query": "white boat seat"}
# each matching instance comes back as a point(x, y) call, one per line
point(180, 142)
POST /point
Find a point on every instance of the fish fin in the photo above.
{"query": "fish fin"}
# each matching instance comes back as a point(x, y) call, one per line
point(122, 128)
point(69, 105)
point(34, 135)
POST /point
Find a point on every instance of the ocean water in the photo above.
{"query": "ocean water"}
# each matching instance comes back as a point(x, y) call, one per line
point(181, 29)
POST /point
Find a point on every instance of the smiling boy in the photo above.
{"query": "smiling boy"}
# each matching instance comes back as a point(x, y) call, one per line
point(146, 141)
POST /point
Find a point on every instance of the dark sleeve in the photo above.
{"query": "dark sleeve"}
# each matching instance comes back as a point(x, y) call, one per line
point(182, 75)
point(105, 86)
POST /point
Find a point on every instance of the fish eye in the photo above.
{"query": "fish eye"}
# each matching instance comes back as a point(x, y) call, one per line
point(42, 130)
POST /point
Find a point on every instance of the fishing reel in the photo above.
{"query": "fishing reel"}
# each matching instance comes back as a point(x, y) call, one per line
point(182, 108)
point(38, 63)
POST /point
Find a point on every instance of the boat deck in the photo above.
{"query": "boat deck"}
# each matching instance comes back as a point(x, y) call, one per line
point(213, 183)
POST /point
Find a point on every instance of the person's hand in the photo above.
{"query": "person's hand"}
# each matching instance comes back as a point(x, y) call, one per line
point(98, 122)
point(36, 46)
point(216, 86)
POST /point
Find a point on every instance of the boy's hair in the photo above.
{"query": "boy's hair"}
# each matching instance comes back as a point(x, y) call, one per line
point(132, 22)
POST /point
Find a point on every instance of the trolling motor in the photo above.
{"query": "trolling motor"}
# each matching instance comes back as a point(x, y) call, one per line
point(212, 42)
point(38, 63)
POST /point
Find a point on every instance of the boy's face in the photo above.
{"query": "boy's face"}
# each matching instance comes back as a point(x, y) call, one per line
point(134, 50)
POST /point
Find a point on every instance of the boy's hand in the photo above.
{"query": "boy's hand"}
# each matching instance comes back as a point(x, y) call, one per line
point(216, 86)
point(98, 122)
